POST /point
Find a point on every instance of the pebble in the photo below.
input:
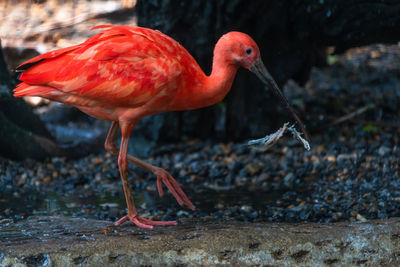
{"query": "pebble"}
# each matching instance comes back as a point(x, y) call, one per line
point(289, 179)
point(383, 150)
point(252, 168)
point(352, 172)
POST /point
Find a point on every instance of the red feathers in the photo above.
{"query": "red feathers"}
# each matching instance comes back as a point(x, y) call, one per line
point(120, 66)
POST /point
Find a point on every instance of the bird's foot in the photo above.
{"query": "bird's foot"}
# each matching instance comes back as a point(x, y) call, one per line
point(143, 222)
point(163, 177)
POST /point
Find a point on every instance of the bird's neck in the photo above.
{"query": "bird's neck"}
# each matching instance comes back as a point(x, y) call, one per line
point(206, 90)
point(218, 84)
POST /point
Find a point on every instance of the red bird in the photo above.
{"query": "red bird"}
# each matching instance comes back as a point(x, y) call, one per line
point(125, 73)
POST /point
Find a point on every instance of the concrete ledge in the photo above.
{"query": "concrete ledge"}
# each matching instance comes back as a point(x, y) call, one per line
point(58, 241)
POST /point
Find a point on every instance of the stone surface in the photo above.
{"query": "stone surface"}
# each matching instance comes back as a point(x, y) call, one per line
point(55, 241)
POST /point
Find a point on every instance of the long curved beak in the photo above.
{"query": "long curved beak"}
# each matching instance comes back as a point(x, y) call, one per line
point(262, 73)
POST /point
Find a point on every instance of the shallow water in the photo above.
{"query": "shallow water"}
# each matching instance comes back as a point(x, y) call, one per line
point(34, 203)
point(106, 206)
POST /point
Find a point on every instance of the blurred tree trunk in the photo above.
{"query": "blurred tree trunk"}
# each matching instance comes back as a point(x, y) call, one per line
point(293, 36)
point(22, 133)
point(20, 128)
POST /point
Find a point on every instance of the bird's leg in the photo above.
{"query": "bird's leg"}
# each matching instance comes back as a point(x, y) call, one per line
point(123, 169)
point(109, 145)
point(162, 175)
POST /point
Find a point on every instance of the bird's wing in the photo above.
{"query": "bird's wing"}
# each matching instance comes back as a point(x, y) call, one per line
point(123, 65)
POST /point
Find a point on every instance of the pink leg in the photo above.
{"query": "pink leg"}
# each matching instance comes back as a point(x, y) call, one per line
point(163, 177)
point(123, 168)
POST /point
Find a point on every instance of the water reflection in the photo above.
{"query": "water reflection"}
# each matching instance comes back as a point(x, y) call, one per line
point(107, 206)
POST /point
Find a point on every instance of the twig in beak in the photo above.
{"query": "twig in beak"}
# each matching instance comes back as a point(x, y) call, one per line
point(269, 140)
point(297, 135)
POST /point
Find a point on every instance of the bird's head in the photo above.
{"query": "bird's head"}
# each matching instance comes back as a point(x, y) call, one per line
point(239, 49)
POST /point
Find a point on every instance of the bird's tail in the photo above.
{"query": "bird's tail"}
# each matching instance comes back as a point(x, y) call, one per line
point(24, 89)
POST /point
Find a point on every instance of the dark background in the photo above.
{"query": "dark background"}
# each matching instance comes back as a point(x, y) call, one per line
point(293, 36)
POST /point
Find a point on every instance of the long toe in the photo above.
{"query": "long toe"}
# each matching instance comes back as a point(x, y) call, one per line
point(163, 177)
point(143, 222)
point(122, 220)
point(157, 223)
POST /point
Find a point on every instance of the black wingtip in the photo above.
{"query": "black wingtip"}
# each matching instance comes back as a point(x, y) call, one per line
point(26, 66)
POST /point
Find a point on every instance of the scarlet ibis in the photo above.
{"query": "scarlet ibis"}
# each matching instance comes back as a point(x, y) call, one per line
point(125, 73)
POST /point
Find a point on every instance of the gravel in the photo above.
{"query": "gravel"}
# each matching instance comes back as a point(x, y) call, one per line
point(352, 171)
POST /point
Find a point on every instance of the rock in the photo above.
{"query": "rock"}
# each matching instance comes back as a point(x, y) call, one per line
point(288, 180)
point(253, 168)
point(361, 218)
point(60, 241)
point(383, 150)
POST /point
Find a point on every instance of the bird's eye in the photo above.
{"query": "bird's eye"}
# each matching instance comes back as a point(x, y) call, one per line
point(248, 51)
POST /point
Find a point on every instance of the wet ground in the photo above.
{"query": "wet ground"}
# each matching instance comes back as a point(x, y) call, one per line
point(61, 241)
point(352, 172)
